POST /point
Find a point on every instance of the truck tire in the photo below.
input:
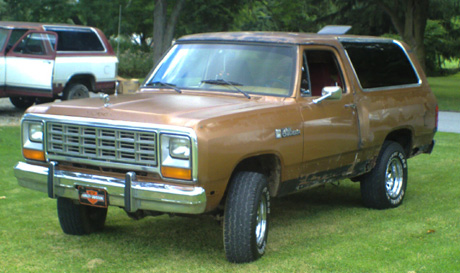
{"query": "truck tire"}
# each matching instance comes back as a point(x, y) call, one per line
point(78, 219)
point(75, 91)
point(246, 217)
point(22, 102)
point(43, 100)
point(385, 186)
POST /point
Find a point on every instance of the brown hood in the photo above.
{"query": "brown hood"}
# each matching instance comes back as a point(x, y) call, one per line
point(185, 109)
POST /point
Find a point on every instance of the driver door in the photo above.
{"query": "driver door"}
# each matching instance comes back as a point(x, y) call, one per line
point(30, 64)
point(331, 136)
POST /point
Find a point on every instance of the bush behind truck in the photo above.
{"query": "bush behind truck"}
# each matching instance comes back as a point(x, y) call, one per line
point(226, 122)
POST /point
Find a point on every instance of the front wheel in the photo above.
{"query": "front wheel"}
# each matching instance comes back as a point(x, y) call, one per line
point(246, 217)
point(76, 219)
point(22, 102)
point(385, 186)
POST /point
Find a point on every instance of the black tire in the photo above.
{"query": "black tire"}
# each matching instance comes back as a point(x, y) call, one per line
point(76, 219)
point(75, 91)
point(246, 217)
point(385, 186)
point(44, 100)
point(22, 102)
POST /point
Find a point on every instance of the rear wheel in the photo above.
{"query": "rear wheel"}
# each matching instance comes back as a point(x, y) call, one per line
point(385, 186)
point(246, 217)
point(76, 219)
point(75, 91)
point(22, 102)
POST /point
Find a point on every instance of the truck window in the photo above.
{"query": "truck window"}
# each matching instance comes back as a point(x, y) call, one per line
point(254, 68)
point(33, 44)
point(15, 35)
point(321, 70)
point(77, 39)
point(3, 36)
point(380, 64)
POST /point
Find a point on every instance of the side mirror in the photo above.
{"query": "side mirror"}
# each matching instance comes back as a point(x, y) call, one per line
point(329, 93)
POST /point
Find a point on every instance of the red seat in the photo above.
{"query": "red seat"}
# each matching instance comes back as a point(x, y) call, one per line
point(319, 78)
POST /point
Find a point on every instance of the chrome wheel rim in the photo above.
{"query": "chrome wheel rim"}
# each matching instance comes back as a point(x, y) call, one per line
point(80, 94)
point(261, 227)
point(394, 177)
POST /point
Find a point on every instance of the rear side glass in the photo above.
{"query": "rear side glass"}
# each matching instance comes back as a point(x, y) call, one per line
point(380, 65)
point(77, 40)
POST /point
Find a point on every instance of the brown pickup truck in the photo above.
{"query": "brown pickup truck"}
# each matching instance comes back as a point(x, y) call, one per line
point(227, 121)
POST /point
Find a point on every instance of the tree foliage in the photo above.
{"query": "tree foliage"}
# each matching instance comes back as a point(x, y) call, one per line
point(430, 27)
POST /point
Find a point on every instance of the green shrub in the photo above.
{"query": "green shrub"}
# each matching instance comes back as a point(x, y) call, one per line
point(134, 60)
point(134, 63)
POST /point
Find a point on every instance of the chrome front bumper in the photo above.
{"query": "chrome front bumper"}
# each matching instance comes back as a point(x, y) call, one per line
point(128, 193)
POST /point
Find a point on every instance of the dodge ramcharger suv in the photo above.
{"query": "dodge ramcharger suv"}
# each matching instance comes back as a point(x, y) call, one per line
point(41, 62)
point(227, 121)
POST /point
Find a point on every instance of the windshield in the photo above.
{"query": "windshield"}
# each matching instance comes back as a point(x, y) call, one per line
point(255, 69)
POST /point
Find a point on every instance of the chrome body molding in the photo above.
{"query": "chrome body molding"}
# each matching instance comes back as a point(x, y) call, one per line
point(152, 196)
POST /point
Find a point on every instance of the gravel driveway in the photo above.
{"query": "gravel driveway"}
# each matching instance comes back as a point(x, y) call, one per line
point(9, 115)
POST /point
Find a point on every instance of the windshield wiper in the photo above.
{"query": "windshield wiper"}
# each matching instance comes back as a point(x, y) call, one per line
point(225, 82)
point(164, 84)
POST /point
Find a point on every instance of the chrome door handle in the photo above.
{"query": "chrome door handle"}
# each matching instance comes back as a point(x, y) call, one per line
point(351, 105)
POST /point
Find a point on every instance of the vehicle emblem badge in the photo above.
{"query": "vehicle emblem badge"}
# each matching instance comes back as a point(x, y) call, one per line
point(286, 132)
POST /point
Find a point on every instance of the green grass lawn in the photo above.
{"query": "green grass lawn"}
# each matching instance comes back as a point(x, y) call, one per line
point(325, 229)
point(447, 91)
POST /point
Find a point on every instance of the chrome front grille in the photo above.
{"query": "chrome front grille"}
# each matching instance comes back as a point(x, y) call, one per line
point(91, 143)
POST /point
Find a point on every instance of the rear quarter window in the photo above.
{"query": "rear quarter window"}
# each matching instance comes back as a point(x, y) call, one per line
point(380, 64)
point(77, 40)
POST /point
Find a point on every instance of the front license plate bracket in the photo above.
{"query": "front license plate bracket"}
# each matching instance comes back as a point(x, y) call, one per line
point(92, 197)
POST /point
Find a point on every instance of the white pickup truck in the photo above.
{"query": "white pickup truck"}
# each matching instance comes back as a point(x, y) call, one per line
point(42, 62)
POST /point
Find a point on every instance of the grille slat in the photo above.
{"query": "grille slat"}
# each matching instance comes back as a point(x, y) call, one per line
point(101, 144)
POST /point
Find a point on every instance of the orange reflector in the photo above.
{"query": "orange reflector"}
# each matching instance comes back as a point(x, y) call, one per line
point(176, 173)
point(33, 154)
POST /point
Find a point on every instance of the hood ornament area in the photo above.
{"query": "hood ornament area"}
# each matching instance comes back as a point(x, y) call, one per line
point(106, 99)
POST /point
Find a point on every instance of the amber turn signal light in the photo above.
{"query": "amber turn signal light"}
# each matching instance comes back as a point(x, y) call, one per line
point(176, 173)
point(33, 154)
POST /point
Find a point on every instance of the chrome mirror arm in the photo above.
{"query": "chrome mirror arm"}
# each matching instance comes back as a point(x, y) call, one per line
point(329, 92)
point(318, 100)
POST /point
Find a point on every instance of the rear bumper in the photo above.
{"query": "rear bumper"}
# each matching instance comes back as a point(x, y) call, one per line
point(128, 193)
point(429, 148)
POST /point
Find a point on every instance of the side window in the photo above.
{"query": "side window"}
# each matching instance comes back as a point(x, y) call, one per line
point(34, 44)
point(77, 40)
point(15, 35)
point(380, 64)
point(319, 69)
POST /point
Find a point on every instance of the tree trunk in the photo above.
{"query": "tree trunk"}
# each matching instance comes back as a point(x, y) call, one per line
point(411, 27)
point(163, 29)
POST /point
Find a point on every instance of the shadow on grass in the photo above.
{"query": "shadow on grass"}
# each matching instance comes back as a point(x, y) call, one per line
point(202, 236)
point(319, 200)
